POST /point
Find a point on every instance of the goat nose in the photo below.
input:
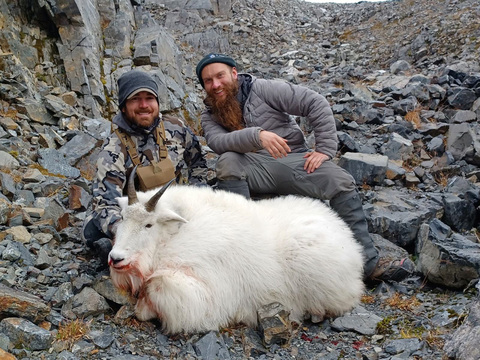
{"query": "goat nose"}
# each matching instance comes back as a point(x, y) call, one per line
point(115, 259)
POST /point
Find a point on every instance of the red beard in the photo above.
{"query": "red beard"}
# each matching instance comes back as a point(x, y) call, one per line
point(227, 110)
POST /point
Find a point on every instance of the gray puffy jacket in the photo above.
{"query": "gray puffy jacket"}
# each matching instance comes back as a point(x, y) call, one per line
point(267, 106)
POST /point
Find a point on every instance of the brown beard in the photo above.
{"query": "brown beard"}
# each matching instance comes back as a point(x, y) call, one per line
point(227, 111)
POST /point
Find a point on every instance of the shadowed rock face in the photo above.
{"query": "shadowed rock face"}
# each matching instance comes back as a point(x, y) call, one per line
point(403, 81)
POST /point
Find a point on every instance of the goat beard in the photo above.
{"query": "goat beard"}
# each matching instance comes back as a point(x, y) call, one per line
point(227, 111)
point(131, 281)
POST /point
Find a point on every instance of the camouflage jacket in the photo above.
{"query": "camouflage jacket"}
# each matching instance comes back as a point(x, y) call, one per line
point(114, 163)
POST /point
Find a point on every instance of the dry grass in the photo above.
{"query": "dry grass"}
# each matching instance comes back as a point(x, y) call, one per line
point(411, 163)
point(366, 187)
point(10, 113)
point(368, 299)
point(89, 174)
point(401, 302)
point(414, 118)
point(407, 328)
point(346, 35)
point(434, 339)
point(410, 331)
point(441, 178)
point(72, 331)
point(45, 171)
point(15, 176)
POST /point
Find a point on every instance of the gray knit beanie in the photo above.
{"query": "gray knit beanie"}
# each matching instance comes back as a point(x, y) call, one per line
point(210, 59)
point(132, 83)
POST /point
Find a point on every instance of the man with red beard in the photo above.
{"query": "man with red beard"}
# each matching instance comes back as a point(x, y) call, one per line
point(248, 122)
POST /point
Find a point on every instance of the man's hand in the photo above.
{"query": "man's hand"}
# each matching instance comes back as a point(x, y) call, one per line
point(314, 160)
point(274, 144)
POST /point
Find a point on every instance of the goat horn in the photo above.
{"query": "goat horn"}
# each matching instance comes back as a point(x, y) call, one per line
point(132, 194)
point(150, 205)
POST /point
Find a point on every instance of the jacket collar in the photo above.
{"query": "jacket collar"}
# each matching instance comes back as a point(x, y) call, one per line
point(245, 82)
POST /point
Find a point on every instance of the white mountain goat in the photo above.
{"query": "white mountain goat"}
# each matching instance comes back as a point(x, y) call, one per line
point(200, 259)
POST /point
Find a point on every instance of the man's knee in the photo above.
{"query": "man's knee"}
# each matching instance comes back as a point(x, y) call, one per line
point(337, 181)
point(229, 166)
point(91, 232)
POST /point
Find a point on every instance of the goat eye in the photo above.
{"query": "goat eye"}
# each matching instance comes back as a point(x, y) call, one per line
point(148, 226)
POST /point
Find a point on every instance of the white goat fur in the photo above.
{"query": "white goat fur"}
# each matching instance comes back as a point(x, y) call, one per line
point(205, 259)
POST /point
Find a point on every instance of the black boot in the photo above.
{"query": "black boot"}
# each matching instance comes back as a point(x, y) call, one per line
point(387, 265)
point(235, 186)
point(349, 207)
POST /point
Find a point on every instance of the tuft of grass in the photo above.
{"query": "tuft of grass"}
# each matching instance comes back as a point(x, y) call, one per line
point(368, 299)
point(366, 187)
point(435, 339)
point(441, 178)
point(72, 331)
point(15, 176)
point(408, 330)
point(411, 163)
point(403, 302)
point(414, 118)
point(10, 113)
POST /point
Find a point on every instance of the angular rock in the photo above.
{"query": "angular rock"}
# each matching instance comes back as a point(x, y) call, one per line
point(212, 346)
point(274, 324)
point(398, 148)
point(463, 343)
point(56, 163)
point(367, 169)
point(19, 303)
point(87, 303)
point(397, 216)
point(460, 214)
point(23, 333)
point(446, 258)
point(359, 320)
point(8, 161)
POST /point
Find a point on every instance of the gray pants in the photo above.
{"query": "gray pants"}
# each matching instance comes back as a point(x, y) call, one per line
point(266, 175)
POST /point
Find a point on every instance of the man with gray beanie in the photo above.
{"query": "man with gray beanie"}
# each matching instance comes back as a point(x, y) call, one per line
point(140, 137)
point(249, 123)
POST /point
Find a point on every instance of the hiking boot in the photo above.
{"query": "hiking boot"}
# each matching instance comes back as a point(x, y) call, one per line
point(393, 264)
point(393, 270)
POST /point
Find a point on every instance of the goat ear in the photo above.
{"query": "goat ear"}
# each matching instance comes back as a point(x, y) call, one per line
point(171, 222)
point(170, 215)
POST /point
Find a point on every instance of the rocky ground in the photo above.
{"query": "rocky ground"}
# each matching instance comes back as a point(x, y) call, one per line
point(403, 80)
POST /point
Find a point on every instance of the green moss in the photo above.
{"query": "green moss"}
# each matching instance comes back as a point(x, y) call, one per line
point(384, 327)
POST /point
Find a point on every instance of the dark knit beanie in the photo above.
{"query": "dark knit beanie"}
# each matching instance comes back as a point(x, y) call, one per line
point(210, 59)
point(133, 82)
